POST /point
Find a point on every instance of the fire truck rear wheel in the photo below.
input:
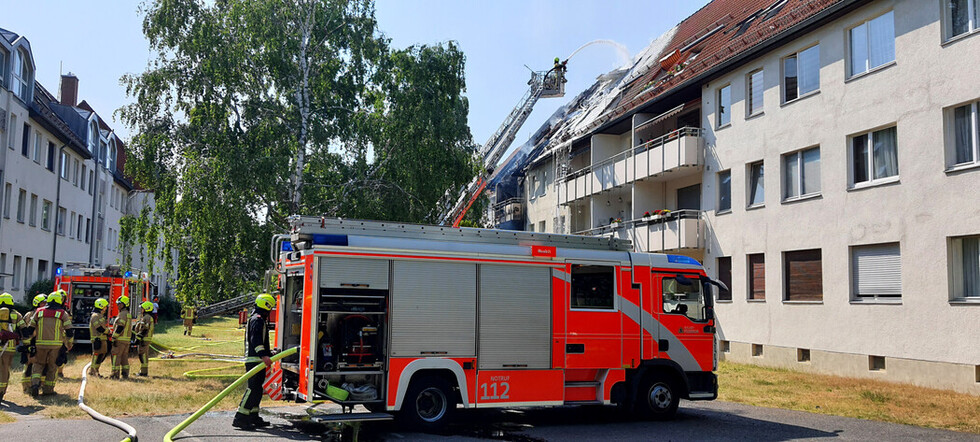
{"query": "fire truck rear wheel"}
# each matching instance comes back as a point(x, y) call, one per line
point(429, 404)
point(658, 398)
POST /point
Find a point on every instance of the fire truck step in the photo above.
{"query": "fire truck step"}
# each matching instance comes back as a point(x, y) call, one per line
point(592, 402)
point(352, 417)
point(581, 384)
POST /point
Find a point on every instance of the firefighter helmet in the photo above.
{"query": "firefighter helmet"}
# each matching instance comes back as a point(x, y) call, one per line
point(265, 301)
point(147, 306)
point(6, 299)
point(39, 299)
point(56, 297)
point(124, 300)
point(101, 303)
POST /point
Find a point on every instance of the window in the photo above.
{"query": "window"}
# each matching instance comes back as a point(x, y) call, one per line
point(757, 350)
point(12, 128)
point(7, 189)
point(876, 363)
point(32, 219)
point(876, 272)
point(803, 275)
point(84, 169)
point(88, 230)
point(60, 220)
point(757, 186)
point(593, 287)
point(42, 268)
point(46, 215)
point(93, 136)
point(37, 147)
point(874, 156)
point(50, 157)
point(91, 182)
point(78, 230)
point(16, 272)
point(111, 162)
point(64, 165)
point(964, 136)
point(71, 225)
point(961, 17)
point(725, 276)
point(21, 203)
point(801, 174)
point(757, 276)
point(754, 94)
point(803, 355)
point(20, 76)
point(725, 191)
point(683, 296)
point(964, 257)
point(3, 72)
point(28, 272)
point(872, 44)
point(801, 73)
point(3, 269)
point(533, 190)
point(25, 142)
point(74, 175)
point(541, 226)
point(724, 113)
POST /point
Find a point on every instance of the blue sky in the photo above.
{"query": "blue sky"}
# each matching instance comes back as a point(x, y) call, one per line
point(101, 40)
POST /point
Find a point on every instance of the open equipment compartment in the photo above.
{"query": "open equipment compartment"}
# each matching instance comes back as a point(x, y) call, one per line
point(351, 335)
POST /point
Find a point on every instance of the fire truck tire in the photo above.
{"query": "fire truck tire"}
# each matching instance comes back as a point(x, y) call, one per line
point(658, 398)
point(429, 404)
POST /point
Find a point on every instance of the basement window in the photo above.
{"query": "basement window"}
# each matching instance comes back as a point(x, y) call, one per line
point(803, 355)
point(876, 363)
point(757, 350)
point(726, 347)
point(978, 374)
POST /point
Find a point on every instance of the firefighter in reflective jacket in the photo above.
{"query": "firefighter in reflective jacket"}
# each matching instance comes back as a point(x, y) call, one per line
point(143, 330)
point(27, 348)
point(257, 351)
point(188, 314)
point(98, 328)
point(122, 327)
point(11, 323)
point(52, 329)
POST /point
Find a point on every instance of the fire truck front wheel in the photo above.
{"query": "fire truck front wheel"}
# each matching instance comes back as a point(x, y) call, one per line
point(658, 398)
point(429, 404)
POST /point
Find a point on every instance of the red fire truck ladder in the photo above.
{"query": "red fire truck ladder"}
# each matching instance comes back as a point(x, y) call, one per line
point(543, 85)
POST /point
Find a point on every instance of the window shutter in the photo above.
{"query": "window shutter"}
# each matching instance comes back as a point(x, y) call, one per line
point(757, 276)
point(877, 270)
point(804, 275)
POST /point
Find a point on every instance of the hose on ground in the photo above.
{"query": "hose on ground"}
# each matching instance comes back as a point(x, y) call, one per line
point(196, 374)
point(99, 416)
point(197, 414)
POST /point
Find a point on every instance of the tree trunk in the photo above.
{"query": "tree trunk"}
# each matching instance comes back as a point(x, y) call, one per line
point(303, 100)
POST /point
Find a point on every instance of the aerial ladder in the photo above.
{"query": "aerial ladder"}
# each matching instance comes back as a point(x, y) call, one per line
point(543, 84)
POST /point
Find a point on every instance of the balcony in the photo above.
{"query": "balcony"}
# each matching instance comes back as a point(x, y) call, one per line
point(681, 230)
point(677, 154)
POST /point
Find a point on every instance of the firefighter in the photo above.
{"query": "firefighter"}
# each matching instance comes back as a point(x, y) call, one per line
point(122, 328)
point(52, 330)
point(143, 330)
point(27, 349)
point(11, 323)
point(257, 351)
point(188, 314)
point(98, 329)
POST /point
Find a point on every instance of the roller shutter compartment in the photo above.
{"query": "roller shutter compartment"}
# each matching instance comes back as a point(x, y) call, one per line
point(354, 273)
point(515, 317)
point(433, 309)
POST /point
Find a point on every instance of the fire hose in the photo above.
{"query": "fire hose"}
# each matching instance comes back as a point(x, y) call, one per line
point(241, 380)
point(99, 416)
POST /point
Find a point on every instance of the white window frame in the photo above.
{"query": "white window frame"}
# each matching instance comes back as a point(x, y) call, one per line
point(20, 86)
point(782, 77)
point(32, 217)
point(46, 215)
point(718, 209)
point(12, 129)
point(718, 107)
point(799, 178)
point(15, 283)
point(37, 147)
point(951, 164)
point(973, 20)
point(874, 298)
point(7, 196)
point(749, 102)
point(750, 184)
point(852, 71)
point(21, 205)
point(852, 167)
point(956, 270)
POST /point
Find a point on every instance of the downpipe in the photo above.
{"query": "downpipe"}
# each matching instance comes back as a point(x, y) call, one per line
point(214, 401)
point(99, 416)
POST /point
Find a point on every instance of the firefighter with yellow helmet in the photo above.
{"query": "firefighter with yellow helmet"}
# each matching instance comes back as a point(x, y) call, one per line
point(11, 323)
point(27, 349)
point(98, 328)
point(143, 330)
point(52, 331)
point(257, 351)
point(188, 314)
point(122, 327)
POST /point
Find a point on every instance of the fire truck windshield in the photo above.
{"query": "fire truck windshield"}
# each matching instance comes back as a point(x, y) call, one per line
point(684, 296)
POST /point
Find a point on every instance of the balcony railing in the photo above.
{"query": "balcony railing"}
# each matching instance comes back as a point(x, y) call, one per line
point(680, 230)
point(672, 153)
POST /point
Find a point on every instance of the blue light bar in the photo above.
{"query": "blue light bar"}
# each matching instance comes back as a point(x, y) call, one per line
point(286, 246)
point(129, 274)
point(329, 240)
point(680, 259)
point(60, 271)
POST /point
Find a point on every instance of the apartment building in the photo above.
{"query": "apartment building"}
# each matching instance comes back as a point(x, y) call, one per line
point(61, 169)
point(834, 142)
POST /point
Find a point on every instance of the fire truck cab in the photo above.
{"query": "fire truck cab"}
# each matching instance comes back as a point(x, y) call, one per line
point(420, 320)
point(86, 284)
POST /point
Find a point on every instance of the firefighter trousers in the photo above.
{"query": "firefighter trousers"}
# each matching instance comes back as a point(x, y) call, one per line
point(100, 349)
point(188, 326)
point(120, 358)
point(44, 364)
point(144, 355)
point(6, 360)
point(249, 406)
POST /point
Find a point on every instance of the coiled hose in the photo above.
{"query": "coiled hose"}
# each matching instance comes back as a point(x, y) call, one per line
point(99, 416)
point(241, 380)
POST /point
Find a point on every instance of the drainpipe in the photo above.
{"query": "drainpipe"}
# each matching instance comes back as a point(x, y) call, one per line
point(57, 205)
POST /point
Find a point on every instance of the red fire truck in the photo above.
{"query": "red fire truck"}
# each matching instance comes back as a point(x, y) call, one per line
point(420, 320)
point(86, 284)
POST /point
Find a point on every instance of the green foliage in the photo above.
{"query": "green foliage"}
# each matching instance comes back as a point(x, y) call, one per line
point(242, 94)
point(169, 309)
point(44, 286)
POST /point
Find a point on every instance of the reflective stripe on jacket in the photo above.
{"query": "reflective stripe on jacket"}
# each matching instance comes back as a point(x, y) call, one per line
point(94, 323)
point(49, 327)
point(122, 326)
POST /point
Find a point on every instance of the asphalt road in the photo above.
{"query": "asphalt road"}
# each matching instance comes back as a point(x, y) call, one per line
point(695, 421)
